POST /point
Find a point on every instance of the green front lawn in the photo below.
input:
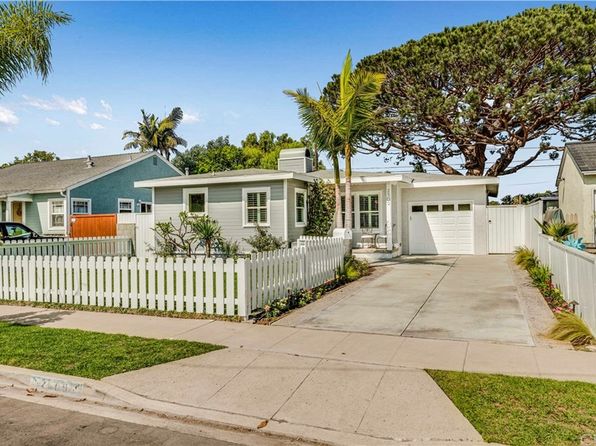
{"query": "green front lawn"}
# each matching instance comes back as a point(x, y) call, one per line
point(522, 411)
point(86, 353)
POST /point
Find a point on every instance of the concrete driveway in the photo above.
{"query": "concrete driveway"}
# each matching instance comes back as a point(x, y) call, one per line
point(442, 297)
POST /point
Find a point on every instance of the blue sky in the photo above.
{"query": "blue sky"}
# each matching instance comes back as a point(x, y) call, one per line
point(225, 64)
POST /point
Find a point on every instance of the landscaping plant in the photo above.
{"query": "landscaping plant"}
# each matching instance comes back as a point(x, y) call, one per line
point(525, 257)
point(206, 232)
point(570, 327)
point(355, 268)
point(320, 209)
point(558, 230)
point(577, 243)
point(264, 241)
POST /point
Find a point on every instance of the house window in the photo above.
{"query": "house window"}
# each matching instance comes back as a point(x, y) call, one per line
point(369, 211)
point(125, 206)
point(343, 211)
point(56, 214)
point(256, 206)
point(145, 208)
point(195, 200)
point(80, 205)
point(300, 207)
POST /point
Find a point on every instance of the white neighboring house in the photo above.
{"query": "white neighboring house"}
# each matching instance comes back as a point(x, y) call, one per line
point(409, 213)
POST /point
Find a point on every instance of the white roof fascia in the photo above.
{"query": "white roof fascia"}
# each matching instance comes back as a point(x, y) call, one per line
point(467, 182)
point(188, 181)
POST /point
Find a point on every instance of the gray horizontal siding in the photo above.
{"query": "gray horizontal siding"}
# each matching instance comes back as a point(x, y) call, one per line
point(225, 206)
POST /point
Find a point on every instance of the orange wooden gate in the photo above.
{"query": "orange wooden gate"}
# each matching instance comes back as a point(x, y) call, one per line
point(94, 225)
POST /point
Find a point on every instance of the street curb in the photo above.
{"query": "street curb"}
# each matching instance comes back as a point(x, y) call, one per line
point(104, 394)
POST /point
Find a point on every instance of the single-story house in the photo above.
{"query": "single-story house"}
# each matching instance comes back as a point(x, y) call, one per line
point(410, 213)
point(576, 182)
point(44, 195)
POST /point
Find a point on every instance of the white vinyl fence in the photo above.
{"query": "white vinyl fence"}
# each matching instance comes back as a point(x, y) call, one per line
point(83, 246)
point(144, 236)
point(512, 226)
point(574, 273)
point(211, 286)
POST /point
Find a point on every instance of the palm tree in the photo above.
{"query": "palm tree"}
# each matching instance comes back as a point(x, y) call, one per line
point(25, 47)
point(341, 127)
point(155, 134)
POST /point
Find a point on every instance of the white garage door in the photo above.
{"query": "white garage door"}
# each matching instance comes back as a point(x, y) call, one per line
point(441, 228)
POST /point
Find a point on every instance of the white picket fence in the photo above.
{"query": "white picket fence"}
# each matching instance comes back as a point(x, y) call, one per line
point(210, 286)
point(574, 273)
point(60, 246)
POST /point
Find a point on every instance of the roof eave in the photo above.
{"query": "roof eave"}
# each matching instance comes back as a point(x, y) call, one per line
point(189, 181)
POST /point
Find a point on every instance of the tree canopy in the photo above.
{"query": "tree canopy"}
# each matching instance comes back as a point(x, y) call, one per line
point(489, 88)
point(25, 40)
point(256, 151)
point(36, 156)
point(156, 134)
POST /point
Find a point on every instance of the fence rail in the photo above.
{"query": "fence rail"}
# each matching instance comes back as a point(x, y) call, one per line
point(85, 246)
point(210, 286)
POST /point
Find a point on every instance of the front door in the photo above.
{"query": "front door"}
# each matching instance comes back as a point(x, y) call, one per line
point(17, 211)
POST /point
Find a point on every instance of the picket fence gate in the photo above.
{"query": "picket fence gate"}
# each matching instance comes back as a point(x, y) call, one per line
point(60, 246)
point(200, 285)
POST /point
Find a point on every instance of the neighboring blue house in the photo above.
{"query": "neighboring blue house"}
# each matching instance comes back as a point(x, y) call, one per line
point(44, 195)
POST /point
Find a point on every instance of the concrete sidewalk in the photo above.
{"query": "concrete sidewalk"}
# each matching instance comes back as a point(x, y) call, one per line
point(336, 387)
point(374, 349)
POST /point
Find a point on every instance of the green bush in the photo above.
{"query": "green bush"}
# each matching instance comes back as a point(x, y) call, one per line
point(355, 268)
point(320, 209)
point(525, 257)
point(263, 241)
point(572, 328)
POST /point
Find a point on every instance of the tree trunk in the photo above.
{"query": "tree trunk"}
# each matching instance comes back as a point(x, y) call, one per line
point(348, 189)
point(338, 220)
point(207, 248)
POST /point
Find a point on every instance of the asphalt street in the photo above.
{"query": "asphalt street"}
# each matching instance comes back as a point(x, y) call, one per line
point(23, 424)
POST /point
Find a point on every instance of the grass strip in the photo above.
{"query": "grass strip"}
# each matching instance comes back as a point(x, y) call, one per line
point(522, 411)
point(86, 353)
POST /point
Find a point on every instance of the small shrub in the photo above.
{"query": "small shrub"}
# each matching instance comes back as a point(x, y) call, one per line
point(525, 257)
point(355, 268)
point(572, 328)
point(577, 243)
point(228, 248)
point(540, 275)
point(263, 241)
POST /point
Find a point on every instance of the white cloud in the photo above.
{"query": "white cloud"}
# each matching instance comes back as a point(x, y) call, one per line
point(96, 126)
point(107, 111)
point(7, 117)
point(191, 118)
point(77, 106)
point(52, 122)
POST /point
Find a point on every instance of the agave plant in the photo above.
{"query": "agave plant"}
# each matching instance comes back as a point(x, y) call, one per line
point(559, 231)
point(577, 243)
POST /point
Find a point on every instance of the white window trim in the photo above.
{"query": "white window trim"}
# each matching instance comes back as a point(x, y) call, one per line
point(187, 191)
point(245, 192)
point(296, 222)
point(87, 200)
point(126, 200)
point(356, 209)
point(141, 203)
point(56, 200)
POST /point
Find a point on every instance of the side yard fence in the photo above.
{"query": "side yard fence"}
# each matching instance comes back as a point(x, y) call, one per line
point(83, 246)
point(574, 273)
point(211, 286)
